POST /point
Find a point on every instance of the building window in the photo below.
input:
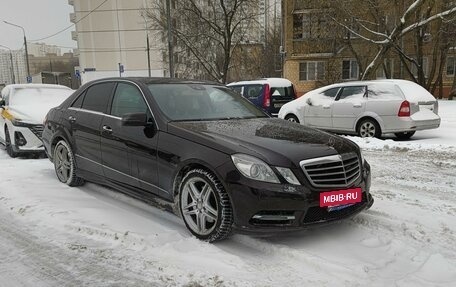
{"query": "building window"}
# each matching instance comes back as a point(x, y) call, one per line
point(350, 70)
point(451, 66)
point(380, 74)
point(312, 25)
point(312, 71)
point(414, 69)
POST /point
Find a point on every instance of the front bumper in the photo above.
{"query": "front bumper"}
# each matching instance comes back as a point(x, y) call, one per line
point(32, 136)
point(260, 207)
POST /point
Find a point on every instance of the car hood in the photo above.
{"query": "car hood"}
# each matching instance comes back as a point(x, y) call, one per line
point(28, 115)
point(275, 141)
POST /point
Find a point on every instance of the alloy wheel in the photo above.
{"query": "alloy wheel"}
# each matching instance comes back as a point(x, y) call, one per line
point(199, 206)
point(62, 163)
point(367, 129)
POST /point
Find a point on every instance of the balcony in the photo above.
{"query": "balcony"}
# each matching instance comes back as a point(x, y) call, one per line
point(71, 2)
point(73, 17)
point(74, 35)
point(313, 46)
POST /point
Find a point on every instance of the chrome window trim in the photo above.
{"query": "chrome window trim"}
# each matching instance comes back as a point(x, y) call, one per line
point(119, 172)
point(117, 81)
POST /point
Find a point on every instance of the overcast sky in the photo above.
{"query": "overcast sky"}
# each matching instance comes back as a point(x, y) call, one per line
point(40, 18)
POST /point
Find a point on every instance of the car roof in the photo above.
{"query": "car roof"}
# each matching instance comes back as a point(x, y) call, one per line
point(360, 83)
point(157, 80)
point(275, 82)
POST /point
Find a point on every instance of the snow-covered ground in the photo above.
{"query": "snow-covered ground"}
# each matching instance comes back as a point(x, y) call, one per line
point(54, 235)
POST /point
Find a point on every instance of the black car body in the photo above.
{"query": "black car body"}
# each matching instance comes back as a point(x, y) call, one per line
point(156, 158)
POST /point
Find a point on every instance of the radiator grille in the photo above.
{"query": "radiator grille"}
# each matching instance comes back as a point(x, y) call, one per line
point(332, 171)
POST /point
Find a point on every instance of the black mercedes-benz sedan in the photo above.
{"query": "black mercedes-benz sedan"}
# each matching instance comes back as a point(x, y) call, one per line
point(207, 154)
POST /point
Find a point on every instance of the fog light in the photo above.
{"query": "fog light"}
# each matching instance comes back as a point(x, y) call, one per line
point(19, 139)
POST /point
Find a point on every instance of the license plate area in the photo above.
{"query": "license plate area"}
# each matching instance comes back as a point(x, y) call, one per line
point(339, 199)
point(278, 105)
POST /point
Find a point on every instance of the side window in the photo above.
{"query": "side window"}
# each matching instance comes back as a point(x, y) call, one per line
point(237, 89)
point(97, 97)
point(78, 102)
point(384, 91)
point(252, 91)
point(353, 93)
point(127, 99)
point(331, 93)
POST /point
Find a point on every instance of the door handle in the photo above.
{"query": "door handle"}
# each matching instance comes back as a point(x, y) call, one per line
point(107, 129)
point(326, 107)
point(357, 105)
point(71, 119)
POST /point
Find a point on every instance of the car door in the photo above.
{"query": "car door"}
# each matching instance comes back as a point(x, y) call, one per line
point(349, 105)
point(317, 112)
point(85, 123)
point(130, 152)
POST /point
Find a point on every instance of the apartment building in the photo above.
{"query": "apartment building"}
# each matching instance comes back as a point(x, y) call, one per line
point(12, 67)
point(320, 50)
point(111, 38)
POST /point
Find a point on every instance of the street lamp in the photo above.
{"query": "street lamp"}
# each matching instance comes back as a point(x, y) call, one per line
point(26, 50)
point(12, 64)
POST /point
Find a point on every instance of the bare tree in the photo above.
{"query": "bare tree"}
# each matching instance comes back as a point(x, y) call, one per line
point(369, 24)
point(207, 32)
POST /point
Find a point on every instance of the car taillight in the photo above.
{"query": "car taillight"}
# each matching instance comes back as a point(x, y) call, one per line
point(404, 110)
point(267, 96)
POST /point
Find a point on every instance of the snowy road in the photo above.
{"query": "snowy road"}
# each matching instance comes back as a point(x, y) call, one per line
point(54, 235)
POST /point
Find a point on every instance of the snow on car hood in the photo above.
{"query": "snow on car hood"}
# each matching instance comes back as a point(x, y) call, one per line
point(32, 104)
point(30, 114)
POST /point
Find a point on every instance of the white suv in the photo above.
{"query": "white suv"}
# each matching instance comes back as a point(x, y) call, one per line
point(23, 109)
point(366, 108)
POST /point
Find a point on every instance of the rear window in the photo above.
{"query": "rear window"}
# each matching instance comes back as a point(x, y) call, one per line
point(414, 92)
point(384, 91)
point(252, 91)
point(283, 92)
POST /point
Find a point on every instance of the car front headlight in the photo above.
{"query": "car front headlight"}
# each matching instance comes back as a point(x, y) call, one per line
point(254, 168)
point(17, 122)
point(288, 175)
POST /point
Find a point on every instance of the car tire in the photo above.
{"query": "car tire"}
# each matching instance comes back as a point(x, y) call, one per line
point(292, 118)
point(64, 165)
point(369, 128)
point(8, 145)
point(205, 206)
point(404, 135)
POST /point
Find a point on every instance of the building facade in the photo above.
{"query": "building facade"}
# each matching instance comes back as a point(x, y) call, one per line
point(111, 39)
point(324, 46)
point(12, 67)
point(43, 49)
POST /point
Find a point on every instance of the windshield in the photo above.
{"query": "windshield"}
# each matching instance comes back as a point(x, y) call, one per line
point(39, 96)
point(187, 102)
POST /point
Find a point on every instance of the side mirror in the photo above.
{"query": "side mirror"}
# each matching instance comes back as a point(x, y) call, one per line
point(135, 120)
point(309, 101)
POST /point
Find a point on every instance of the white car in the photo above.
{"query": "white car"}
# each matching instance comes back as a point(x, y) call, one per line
point(23, 108)
point(366, 108)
